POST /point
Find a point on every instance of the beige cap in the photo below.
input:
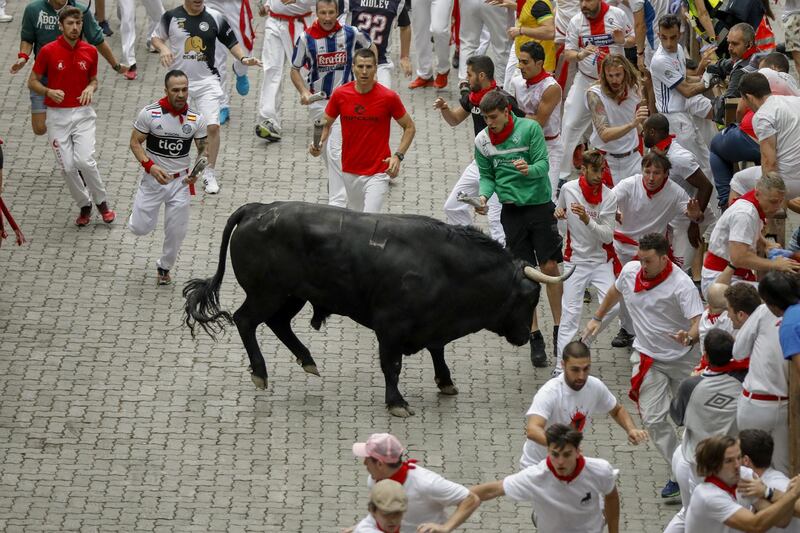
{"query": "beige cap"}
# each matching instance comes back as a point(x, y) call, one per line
point(389, 496)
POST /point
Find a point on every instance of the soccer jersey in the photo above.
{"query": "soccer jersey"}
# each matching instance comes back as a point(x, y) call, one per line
point(169, 137)
point(558, 403)
point(193, 41)
point(582, 32)
point(566, 505)
point(585, 241)
point(376, 18)
point(366, 124)
point(653, 10)
point(529, 96)
point(668, 70)
point(329, 59)
point(532, 14)
point(759, 340)
point(660, 312)
point(40, 25)
point(618, 113)
point(739, 223)
point(67, 69)
point(478, 122)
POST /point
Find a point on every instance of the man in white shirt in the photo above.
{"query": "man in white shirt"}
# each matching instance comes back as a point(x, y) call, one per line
point(594, 33)
point(572, 399)
point(429, 494)
point(616, 116)
point(665, 310)
point(714, 507)
point(565, 488)
point(646, 14)
point(387, 503)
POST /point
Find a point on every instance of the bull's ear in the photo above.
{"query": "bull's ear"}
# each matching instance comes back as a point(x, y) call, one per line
point(539, 277)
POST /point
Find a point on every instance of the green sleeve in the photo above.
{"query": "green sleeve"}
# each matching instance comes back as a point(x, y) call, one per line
point(486, 170)
point(539, 165)
point(91, 29)
point(28, 32)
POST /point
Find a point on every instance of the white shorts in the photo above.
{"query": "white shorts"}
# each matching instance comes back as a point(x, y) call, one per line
point(206, 97)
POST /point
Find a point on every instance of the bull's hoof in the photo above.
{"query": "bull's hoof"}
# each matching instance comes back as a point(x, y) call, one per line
point(448, 390)
point(403, 411)
point(260, 383)
point(311, 369)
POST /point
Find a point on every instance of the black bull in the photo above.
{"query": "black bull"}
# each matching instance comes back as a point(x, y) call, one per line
point(415, 281)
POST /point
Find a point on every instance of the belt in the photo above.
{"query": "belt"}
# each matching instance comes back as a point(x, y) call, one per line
point(763, 397)
point(183, 172)
point(552, 137)
point(618, 156)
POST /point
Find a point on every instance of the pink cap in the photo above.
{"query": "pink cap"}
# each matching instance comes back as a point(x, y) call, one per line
point(381, 446)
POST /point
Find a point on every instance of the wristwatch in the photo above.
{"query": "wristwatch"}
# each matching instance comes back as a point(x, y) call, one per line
point(400, 155)
point(117, 67)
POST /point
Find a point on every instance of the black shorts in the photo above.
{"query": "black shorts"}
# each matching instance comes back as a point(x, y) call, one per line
point(532, 232)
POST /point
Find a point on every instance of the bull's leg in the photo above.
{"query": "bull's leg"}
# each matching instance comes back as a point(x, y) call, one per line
point(281, 325)
point(247, 320)
point(442, 372)
point(391, 364)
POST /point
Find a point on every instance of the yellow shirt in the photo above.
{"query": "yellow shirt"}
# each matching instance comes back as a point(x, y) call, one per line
point(532, 14)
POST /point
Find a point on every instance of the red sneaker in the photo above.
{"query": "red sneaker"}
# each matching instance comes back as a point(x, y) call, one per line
point(420, 82)
point(441, 80)
point(84, 217)
point(107, 214)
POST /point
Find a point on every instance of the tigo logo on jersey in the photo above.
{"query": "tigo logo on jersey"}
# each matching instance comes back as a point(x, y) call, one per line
point(173, 148)
point(332, 60)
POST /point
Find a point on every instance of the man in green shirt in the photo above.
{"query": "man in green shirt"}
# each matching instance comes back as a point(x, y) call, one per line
point(40, 27)
point(511, 155)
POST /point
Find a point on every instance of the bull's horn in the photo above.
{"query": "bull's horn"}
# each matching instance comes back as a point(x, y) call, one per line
point(537, 276)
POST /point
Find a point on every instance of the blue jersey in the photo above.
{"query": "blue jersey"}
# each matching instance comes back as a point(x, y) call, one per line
point(375, 18)
point(329, 60)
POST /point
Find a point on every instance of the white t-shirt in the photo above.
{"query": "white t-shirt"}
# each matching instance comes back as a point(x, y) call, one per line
point(579, 35)
point(528, 99)
point(585, 241)
point(684, 165)
point(564, 506)
point(722, 321)
point(739, 223)
point(758, 340)
point(668, 71)
point(780, 116)
point(298, 7)
point(660, 312)
point(169, 138)
point(429, 494)
point(780, 83)
point(777, 480)
point(367, 525)
point(558, 403)
point(653, 10)
point(618, 114)
point(709, 508)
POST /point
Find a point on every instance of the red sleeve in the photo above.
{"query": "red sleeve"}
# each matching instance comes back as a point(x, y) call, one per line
point(397, 107)
point(40, 65)
point(93, 69)
point(332, 109)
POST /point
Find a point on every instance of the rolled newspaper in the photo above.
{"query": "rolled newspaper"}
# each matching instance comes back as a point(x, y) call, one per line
point(318, 125)
point(474, 201)
point(316, 97)
point(199, 166)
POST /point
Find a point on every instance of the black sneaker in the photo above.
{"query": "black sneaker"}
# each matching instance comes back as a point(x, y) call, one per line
point(456, 53)
point(163, 277)
point(105, 28)
point(555, 343)
point(538, 353)
point(623, 339)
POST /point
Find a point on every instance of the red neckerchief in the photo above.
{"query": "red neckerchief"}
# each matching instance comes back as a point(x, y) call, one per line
point(539, 77)
point(591, 193)
point(751, 197)
point(166, 106)
point(597, 26)
point(402, 473)
point(476, 97)
point(731, 366)
point(714, 480)
point(575, 473)
point(650, 193)
point(749, 53)
point(500, 138)
point(315, 31)
point(665, 143)
point(644, 284)
point(712, 317)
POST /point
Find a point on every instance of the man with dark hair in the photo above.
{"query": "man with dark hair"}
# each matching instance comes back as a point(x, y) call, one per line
point(572, 398)
point(665, 310)
point(775, 67)
point(167, 126)
point(68, 67)
point(366, 108)
point(511, 155)
point(714, 507)
point(563, 487)
point(480, 76)
point(742, 300)
point(705, 405)
point(648, 202)
point(741, 47)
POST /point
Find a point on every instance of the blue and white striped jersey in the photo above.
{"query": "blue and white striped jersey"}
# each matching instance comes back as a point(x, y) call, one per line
point(329, 59)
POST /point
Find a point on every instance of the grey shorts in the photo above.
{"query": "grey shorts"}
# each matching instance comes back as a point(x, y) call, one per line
point(37, 100)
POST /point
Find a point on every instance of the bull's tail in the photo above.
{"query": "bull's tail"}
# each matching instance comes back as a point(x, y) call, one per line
point(202, 295)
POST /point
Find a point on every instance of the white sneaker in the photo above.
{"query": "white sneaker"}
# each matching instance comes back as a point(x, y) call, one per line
point(6, 18)
point(212, 187)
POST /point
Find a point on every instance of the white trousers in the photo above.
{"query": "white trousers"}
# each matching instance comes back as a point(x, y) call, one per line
point(660, 385)
point(276, 53)
point(461, 214)
point(623, 167)
point(231, 10)
point(512, 69)
point(384, 74)
point(127, 26)
point(772, 417)
point(331, 156)
point(689, 131)
point(601, 277)
point(554, 155)
point(576, 120)
point(682, 249)
point(687, 481)
point(475, 15)
point(71, 134)
point(745, 181)
point(144, 216)
point(431, 20)
point(366, 193)
point(625, 253)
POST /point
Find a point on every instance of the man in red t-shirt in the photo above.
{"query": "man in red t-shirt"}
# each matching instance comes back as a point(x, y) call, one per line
point(366, 108)
point(70, 65)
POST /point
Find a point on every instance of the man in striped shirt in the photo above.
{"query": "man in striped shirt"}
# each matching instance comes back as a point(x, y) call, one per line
point(326, 49)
